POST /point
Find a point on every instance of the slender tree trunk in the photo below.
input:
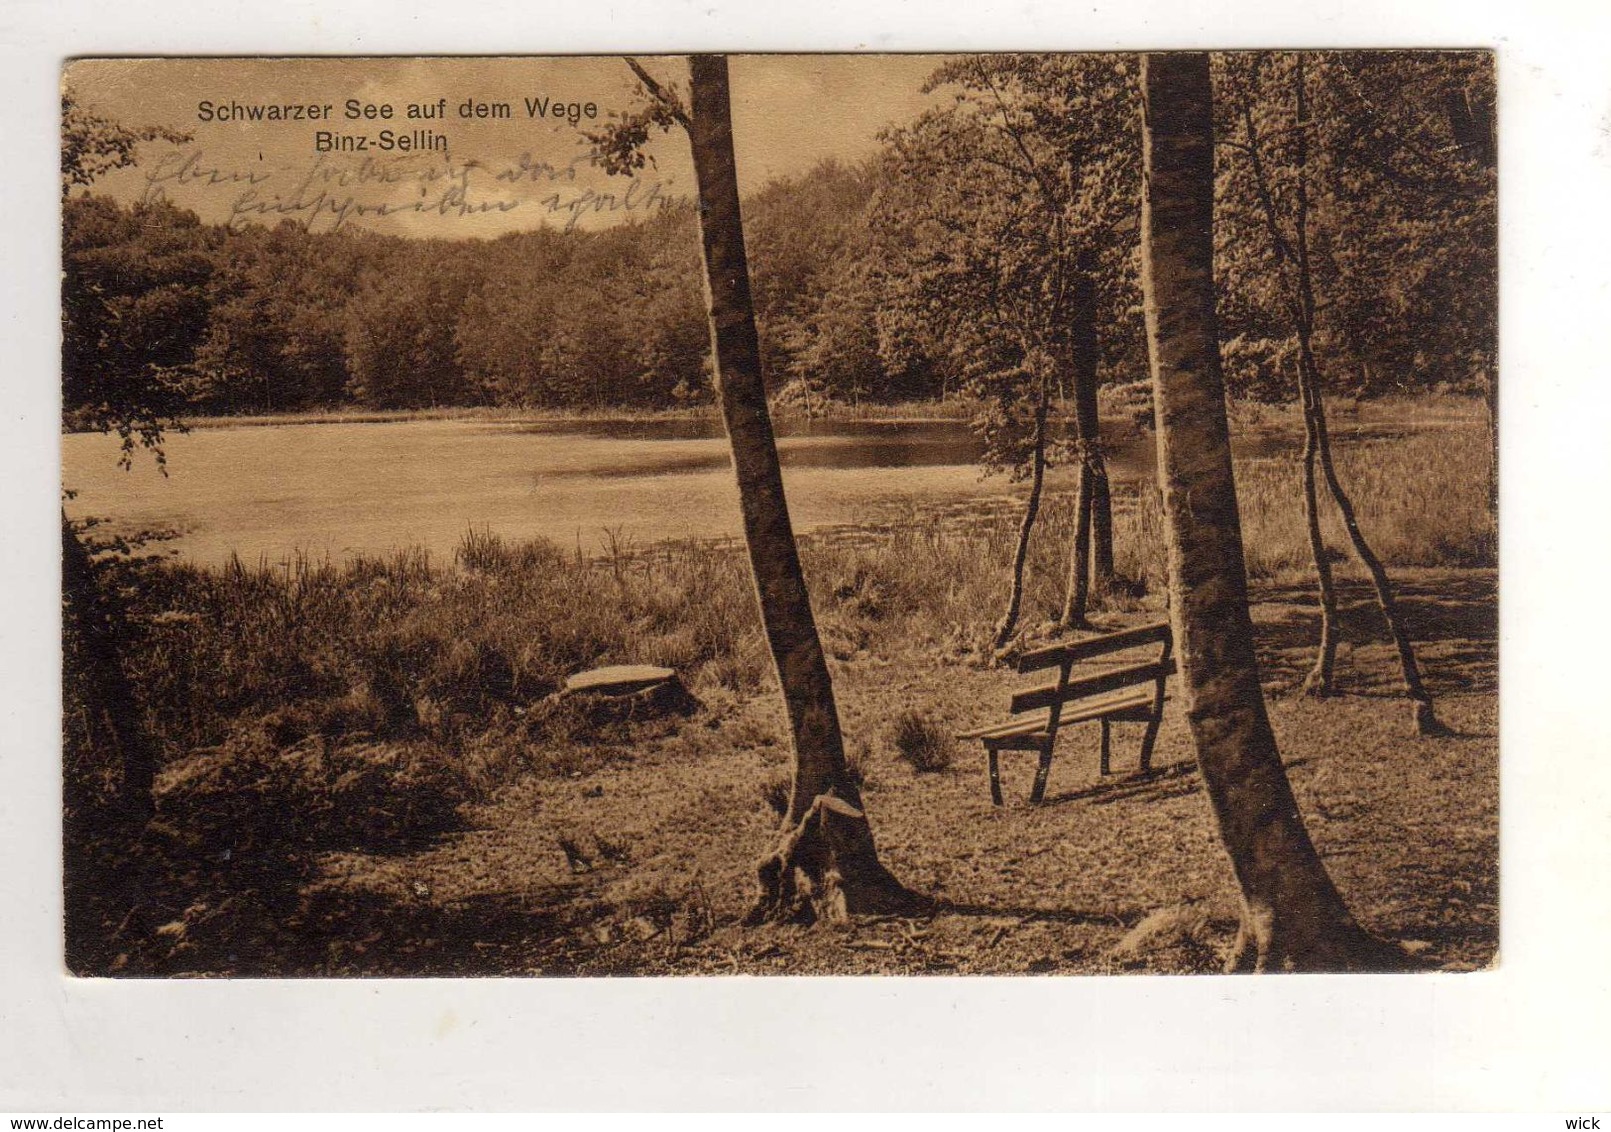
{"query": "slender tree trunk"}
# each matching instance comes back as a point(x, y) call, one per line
point(1315, 413)
point(1079, 561)
point(1300, 305)
point(1425, 719)
point(1471, 124)
point(1086, 355)
point(827, 841)
point(1026, 527)
point(1087, 360)
point(109, 698)
point(1319, 680)
point(1293, 918)
point(1101, 525)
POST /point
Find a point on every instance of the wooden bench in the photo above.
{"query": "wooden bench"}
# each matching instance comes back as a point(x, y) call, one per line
point(1131, 693)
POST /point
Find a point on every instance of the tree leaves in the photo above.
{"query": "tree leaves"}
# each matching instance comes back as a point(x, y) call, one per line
point(1401, 220)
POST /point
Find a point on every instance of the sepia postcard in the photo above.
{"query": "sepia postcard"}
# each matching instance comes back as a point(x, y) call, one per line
point(971, 514)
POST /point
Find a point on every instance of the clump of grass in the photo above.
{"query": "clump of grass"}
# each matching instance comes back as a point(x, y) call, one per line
point(922, 743)
point(913, 575)
point(1179, 938)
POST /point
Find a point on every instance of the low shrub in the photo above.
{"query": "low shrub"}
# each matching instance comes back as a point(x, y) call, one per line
point(251, 795)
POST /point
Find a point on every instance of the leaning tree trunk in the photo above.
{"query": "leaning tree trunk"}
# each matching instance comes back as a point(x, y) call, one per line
point(1091, 562)
point(1425, 720)
point(1319, 680)
point(1301, 306)
point(1026, 527)
point(1293, 918)
point(109, 700)
point(827, 843)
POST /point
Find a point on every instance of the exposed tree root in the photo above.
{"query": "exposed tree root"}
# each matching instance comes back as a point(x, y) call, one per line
point(825, 867)
point(1262, 947)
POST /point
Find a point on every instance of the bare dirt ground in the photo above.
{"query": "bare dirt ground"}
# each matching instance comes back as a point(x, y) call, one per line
point(641, 861)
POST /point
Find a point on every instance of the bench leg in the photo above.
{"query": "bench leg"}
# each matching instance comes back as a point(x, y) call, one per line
point(1153, 721)
point(1106, 746)
point(995, 777)
point(1041, 773)
point(1147, 741)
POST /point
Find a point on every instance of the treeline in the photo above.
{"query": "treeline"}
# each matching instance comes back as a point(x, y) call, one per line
point(999, 229)
point(277, 320)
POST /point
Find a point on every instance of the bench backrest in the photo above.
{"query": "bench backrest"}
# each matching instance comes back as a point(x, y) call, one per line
point(1064, 657)
point(1054, 656)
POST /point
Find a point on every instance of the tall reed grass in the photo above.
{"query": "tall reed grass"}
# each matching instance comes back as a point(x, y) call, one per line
point(1421, 500)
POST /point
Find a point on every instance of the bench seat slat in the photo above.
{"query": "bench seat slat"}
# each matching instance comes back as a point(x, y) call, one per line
point(1031, 699)
point(1021, 726)
point(1125, 701)
point(1132, 704)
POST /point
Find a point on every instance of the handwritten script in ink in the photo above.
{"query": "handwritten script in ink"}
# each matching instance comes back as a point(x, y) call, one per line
point(334, 191)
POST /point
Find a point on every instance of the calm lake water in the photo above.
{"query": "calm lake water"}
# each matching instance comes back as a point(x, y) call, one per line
point(268, 492)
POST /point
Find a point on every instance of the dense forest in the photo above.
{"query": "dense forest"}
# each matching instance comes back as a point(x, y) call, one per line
point(907, 275)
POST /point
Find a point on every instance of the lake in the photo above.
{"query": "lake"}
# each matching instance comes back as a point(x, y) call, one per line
point(336, 490)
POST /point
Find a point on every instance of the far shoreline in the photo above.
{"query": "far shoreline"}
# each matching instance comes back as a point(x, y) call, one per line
point(908, 412)
point(1121, 406)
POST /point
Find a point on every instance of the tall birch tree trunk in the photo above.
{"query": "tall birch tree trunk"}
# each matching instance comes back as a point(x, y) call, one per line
point(827, 842)
point(1293, 918)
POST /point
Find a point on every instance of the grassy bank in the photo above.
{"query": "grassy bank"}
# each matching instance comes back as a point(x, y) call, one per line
point(390, 722)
